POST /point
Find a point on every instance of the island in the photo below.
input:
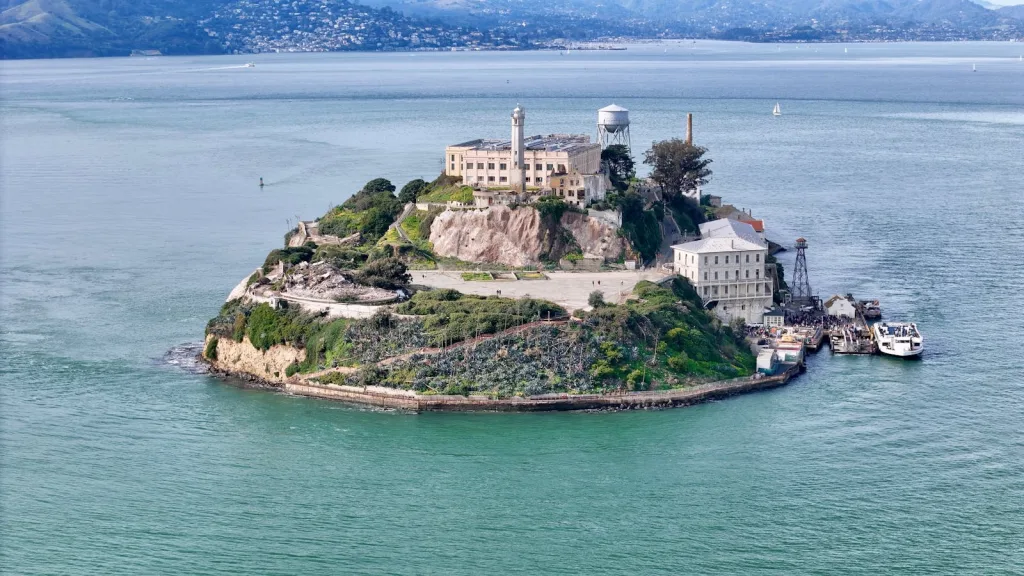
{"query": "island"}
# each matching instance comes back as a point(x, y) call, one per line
point(536, 273)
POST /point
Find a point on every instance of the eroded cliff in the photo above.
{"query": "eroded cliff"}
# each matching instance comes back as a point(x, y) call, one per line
point(520, 237)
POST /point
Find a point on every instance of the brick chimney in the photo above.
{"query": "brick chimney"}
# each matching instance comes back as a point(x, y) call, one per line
point(689, 129)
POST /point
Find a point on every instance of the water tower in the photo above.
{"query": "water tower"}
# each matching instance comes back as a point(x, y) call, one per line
point(613, 126)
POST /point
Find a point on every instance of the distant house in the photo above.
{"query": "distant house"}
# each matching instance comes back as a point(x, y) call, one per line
point(757, 225)
point(840, 306)
point(774, 318)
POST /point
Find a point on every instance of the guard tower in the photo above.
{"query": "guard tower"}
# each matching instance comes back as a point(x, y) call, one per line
point(613, 126)
point(801, 285)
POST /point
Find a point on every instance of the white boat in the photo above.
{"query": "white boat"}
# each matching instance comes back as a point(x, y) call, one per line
point(250, 65)
point(898, 338)
point(777, 111)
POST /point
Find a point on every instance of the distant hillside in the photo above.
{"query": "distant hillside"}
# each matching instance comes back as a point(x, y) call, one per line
point(57, 28)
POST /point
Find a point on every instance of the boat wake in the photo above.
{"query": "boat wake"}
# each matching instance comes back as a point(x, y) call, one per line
point(186, 357)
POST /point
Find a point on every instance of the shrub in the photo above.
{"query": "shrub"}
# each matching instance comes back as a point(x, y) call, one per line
point(596, 299)
point(291, 369)
point(210, 353)
point(289, 256)
point(387, 273)
point(238, 328)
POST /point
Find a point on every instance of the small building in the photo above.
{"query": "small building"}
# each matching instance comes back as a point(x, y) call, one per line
point(767, 362)
point(728, 273)
point(758, 226)
point(841, 306)
point(790, 350)
point(774, 318)
point(715, 201)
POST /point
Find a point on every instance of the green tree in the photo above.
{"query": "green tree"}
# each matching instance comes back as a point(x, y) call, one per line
point(412, 190)
point(677, 166)
point(378, 185)
point(596, 299)
point(621, 167)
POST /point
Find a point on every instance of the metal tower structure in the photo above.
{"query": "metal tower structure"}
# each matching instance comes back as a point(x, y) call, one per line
point(613, 126)
point(801, 288)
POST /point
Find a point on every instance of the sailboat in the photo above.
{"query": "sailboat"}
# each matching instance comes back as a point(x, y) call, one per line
point(974, 67)
point(776, 111)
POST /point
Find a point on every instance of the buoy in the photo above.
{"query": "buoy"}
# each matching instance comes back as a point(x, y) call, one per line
point(261, 182)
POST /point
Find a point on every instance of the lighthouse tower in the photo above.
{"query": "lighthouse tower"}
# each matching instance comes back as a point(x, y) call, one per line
point(518, 175)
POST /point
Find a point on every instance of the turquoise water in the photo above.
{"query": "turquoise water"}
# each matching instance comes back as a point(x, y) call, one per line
point(129, 210)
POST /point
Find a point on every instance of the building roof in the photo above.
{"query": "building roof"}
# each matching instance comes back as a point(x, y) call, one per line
point(834, 299)
point(613, 108)
point(549, 143)
point(757, 225)
point(729, 228)
point(775, 312)
point(707, 245)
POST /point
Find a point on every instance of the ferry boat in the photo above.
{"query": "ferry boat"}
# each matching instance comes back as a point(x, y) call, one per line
point(898, 339)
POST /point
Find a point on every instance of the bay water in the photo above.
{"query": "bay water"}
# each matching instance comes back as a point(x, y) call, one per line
point(129, 207)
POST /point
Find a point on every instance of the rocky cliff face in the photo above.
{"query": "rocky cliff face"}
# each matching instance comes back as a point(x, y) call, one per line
point(519, 237)
point(597, 238)
point(242, 358)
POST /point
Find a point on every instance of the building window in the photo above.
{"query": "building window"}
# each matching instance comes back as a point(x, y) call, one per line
point(757, 273)
point(490, 165)
point(737, 274)
point(503, 179)
point(527, 178)
point(540, 180)
point(479, 165)
point(716, 259)
point(453, 157)
point(705, 259)
point(453, 166)
point(726, 259)
point(551, 166)
point(743, 307)
point(705, 290)
point(726, 289)
point(716, 275)
point(705, 275)
point(561, 193)
point(490, 178)
point(758, 289)
point(757, 257)
point(748, 258)
point(538, 166)
point(748, 274)
point(714, 290)
point(503, 166)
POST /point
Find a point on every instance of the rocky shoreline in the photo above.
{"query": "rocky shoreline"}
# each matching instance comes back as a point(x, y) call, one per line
point(392, 398)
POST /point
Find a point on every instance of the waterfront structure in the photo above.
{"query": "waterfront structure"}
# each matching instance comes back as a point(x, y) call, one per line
point(767, 362)
point(728, 274)
point(524, 164)
point(840, 307)
point(774, 318)
point(613, 127)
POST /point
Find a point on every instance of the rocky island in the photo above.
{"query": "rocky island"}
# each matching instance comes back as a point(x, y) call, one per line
point(438, 297)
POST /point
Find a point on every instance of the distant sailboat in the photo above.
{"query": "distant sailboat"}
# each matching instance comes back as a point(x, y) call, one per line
point(777, 111)
point(974, 67)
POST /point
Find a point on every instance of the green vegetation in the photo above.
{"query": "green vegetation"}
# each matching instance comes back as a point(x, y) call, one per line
point(343, 257)
point(210, 352)
point(450, 316)
point(387, 273)
point(621, 167)
point(596, 299)
point(370, 212)
point(411, 191)
point(477, 276)
point(447, 193)
point(289, 256)
point(677, 166)
point(641, 227)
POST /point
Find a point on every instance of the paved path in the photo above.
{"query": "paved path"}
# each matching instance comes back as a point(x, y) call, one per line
point(569, 289)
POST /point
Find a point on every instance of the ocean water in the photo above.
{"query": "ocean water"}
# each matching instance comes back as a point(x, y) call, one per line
point(129, 207)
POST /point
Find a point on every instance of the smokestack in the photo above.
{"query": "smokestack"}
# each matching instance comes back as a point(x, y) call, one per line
point(689, 129)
